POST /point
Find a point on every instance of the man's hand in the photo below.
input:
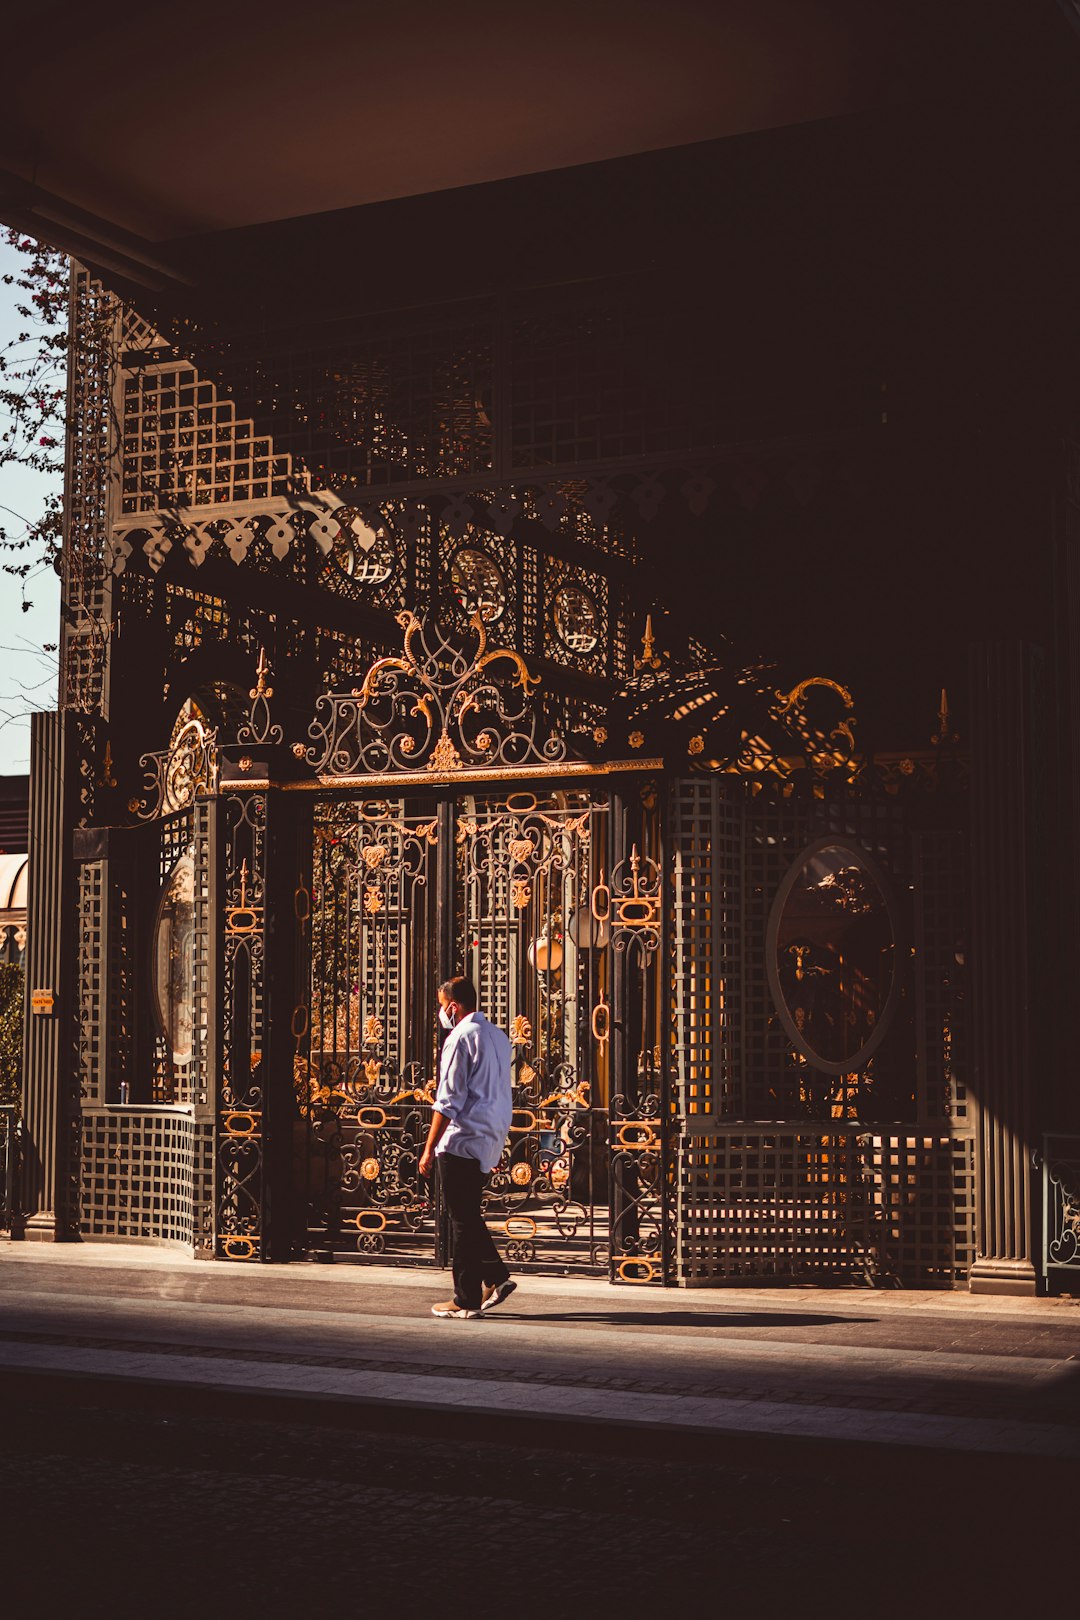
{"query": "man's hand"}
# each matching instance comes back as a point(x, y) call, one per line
point(439, 1122)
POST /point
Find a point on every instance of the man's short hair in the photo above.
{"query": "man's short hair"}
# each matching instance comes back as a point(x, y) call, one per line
point(461, 990)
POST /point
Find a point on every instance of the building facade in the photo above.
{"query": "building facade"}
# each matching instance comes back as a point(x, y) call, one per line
point(592, 582)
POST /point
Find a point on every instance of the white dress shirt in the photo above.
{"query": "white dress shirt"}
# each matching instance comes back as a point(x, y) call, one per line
point(474, 1091)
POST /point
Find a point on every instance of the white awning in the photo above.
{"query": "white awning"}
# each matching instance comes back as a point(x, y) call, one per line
point(13, 882)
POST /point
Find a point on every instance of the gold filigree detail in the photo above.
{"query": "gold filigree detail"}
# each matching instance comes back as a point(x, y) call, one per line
point(696, 745)
point(372, 1071)
point(435, 702)
point(520, 1031)
point(445, 756)
point(521, 1174)
point(373, 1029)
point(242, 918)
point(520, 893)
point(791, 702)
point(521, 849)
point(600, 735)
point(373, 901)
point(373, 855)
point(636, 739)
point(370, 1169)
point(639, 908)
point(262, 669)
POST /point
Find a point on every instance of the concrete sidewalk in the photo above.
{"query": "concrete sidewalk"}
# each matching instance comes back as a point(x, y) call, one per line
point(943, 1371)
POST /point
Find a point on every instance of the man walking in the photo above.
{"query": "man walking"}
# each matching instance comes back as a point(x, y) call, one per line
point(469, 1126)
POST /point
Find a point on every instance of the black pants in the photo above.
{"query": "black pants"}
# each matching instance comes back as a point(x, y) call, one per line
point(476, 1259)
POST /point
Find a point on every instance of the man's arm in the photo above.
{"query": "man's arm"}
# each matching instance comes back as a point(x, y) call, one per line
point(449, 1099)
point(439, 1122)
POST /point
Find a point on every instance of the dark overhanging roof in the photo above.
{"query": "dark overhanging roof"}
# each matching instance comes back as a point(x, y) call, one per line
point(124, 136)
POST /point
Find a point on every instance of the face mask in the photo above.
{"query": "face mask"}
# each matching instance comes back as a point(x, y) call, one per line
point(445, 1019)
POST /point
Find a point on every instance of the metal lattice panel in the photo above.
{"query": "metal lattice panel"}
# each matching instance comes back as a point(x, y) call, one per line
point(733, 844)
point(202, 1187)
point(93, 314)
point(706, 838)
point(816, 1202)
point(137, 1174)
point(91, 970)
point(922, 1204)
point(768, 1085)
point(184, 445)
point(125, 972)
point(397, 400)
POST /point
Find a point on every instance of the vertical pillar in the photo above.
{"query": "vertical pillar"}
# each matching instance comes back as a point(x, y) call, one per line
point(48, 1199)
point(448, 950)
point(1007, 932)
point(239, 1223)
point(284, 950)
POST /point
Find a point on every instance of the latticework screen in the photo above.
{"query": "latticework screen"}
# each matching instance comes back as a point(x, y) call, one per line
point(138, 1174)
point(861, 1173)
point(798, 1202)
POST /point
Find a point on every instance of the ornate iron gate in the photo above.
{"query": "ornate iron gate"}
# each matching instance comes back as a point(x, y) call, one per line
point(365, 1065)
point(528, 872)
point(527, 893)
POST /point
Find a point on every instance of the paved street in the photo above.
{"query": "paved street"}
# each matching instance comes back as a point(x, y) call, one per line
point(277, 1436)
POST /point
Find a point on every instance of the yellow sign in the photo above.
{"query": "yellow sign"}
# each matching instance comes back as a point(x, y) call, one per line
point(42, 1001)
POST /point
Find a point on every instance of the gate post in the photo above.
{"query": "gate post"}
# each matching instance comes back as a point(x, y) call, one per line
point(239, 1179)
point(446, 941)
point(48, 1194)
point(283, 947)
point(1007, 936)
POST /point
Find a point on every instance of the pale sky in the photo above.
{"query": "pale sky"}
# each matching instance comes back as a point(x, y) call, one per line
point(27, 674)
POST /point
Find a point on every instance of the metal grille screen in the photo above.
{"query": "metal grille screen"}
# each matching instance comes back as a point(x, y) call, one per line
point(787, 1170)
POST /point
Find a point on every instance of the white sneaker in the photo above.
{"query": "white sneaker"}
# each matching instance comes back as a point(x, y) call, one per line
point(496, 1293)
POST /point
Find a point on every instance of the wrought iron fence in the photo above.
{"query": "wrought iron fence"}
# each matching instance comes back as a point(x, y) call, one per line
point(9, 1158)
point(1061, 1203)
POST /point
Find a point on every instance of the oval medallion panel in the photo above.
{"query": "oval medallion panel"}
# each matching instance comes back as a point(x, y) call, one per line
point(173, 960)
point(577, 619)
point(832, 956)
point(479, 584)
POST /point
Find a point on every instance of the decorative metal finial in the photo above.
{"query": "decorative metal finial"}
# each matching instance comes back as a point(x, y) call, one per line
point(944, 735)
point(262, 670)
point(649, 658)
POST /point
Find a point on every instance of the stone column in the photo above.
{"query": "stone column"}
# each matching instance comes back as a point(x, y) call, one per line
point(1007, 938)
point(50, 1166)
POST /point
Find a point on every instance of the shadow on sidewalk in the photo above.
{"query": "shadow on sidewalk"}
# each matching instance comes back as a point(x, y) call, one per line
point(709, 1319)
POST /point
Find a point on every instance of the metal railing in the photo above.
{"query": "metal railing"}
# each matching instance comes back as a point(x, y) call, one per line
point(10, 1132)
point(1061, 1203)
